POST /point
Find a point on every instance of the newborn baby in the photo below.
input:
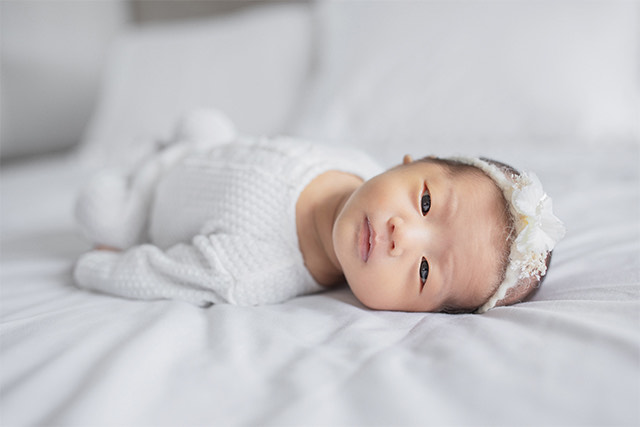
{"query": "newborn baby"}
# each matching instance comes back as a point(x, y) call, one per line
point(217, 218)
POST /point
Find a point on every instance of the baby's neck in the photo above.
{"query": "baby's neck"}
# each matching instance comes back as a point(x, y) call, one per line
point(316, 210)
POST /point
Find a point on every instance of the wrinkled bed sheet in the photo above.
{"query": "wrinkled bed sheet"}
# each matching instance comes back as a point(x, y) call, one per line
point(571, 355)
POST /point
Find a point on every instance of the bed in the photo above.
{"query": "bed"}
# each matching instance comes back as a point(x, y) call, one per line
point(391, 78)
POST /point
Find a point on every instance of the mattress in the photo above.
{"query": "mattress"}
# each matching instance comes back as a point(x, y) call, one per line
point(570, 355)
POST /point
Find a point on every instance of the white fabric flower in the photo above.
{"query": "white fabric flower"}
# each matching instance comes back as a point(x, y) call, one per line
point(538, 228)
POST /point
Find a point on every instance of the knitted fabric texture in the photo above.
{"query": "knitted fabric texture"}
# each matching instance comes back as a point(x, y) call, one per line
point(207, 224)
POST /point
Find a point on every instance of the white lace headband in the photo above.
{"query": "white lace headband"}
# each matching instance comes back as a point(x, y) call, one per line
point(537, 228)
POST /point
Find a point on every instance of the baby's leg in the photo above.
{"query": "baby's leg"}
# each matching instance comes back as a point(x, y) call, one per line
point(113, 209)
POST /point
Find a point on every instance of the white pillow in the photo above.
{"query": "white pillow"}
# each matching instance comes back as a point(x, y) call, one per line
point(467, 75)
point(250, 64)
point(51, 58)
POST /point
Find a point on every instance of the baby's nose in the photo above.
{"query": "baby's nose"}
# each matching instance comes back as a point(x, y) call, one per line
point(396, 236)
point(392, 225)
point(402, 236)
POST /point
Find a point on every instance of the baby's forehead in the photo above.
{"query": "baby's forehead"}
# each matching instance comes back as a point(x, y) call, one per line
point(460, 174)
point(454, 170)
point(478, 232)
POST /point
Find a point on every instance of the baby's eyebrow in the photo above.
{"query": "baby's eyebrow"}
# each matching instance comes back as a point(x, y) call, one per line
point(448, 266)
point(447, 205)
point(445, 200)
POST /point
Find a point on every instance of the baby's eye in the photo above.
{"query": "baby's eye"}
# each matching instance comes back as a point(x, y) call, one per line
point(425, 201)
point(424, 270)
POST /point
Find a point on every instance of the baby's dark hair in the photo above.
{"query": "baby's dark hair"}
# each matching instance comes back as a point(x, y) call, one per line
point(525, 288)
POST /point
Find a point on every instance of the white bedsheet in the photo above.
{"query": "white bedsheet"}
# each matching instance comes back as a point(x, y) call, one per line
point(569, 356)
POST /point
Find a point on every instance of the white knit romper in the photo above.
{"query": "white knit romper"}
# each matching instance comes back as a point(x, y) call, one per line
point(207, 224)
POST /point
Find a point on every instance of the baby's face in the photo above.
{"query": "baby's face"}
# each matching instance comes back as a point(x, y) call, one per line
point(416, 238)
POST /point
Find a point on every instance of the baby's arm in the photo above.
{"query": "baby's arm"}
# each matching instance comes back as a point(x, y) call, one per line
point(190, 272)
point(213, 268)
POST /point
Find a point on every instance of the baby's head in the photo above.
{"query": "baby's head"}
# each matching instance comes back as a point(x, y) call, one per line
point(455, 235)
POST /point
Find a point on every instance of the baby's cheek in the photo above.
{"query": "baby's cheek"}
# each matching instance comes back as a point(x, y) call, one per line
point(380, 292)
point(362, 289)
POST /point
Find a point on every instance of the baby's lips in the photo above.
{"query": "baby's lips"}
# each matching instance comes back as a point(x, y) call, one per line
point(364, 242)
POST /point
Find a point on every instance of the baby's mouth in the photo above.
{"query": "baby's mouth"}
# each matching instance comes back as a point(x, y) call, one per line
point(367, 241)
